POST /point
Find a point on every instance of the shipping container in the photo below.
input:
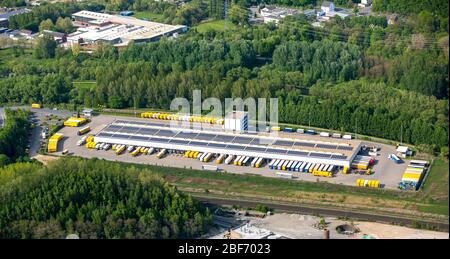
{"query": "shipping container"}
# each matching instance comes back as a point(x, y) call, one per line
point(324, 134)
point(283, 166)
point(120, 149)
point(229, 159)
point(240, 161)
point(161, 153)
point(220, 158)
point(288, 130)
point(259, 162)
point(288, 165)
point(307, 167)
point(275, 164)
point(310, 132)
point(279, 166)
point(416, 166)
point(418, 162)
point(284, 175)
point(299, 168)
point(320, 168)
point(271, 163)
point(347, 136)
point(300, 131)
point(275, 128)
point(207, 157)
point(135, 152)
point(336, 135)
point(84, 130)
point(235, 162)
point(395, 158)
point(202, 156)
point(210, 167)
point(316, 166)
point(322, 173)
point(292, 167)
point(253, 163)
point(414, 169)
point(245, 160)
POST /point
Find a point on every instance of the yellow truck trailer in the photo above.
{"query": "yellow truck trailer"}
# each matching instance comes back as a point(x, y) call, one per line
point(35, 106)
point(53, 142)
point(367, 183)
point(322, 173)
point(75, 122)
point(120, 149)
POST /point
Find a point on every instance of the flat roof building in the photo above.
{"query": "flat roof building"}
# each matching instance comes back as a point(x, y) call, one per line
point(275, 13)
point(118, 30)
point(236, 121)
point(304, 148)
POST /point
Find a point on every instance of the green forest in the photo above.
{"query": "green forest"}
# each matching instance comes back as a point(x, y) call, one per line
point(94, 199)
point(359, 74)
point(14, 136)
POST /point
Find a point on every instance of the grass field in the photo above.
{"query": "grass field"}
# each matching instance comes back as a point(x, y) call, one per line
point(149, 15)
point(220, 25)
point(320, 194)
point(435, 188)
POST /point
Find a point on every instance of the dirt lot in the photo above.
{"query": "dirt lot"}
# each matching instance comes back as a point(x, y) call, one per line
point(386, 171)
point(302, 227)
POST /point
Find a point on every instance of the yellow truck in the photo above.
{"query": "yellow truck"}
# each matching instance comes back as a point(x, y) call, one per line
point(135, 152)
point(367, 183)
point(322, 173)
point(345, 170)
point(53, 142)
point(84, 130)
point(120, 149)
point(74, 122)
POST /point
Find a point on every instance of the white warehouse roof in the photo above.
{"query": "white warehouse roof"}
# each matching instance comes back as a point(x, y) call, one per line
point(150, 134)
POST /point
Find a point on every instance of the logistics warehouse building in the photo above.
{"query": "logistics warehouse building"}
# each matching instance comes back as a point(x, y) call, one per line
point(304, 148)
point(117, 30)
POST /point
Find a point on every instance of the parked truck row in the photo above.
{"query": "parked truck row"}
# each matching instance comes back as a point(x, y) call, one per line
point(310, 132)
point(301, 166)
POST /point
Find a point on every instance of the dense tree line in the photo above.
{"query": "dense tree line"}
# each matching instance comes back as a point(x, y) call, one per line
point(32, 20)
point(94, 199)
point(371, 109)
point(411, 6)
point(12, 3)
point(325, 60)
point(14, 136)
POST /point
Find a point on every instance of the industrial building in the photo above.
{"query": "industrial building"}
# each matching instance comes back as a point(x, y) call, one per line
point(275, 13)
point(303, 148)
point(118, 30)
point(236, 121)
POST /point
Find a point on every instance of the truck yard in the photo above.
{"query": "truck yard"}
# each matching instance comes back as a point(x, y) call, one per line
point(382, 170)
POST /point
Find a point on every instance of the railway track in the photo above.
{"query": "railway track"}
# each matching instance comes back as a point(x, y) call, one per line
point(302, 209)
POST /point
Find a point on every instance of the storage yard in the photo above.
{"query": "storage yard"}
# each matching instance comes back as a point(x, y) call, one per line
point(292, 155)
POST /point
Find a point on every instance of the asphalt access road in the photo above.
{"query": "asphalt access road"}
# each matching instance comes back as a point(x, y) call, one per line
point(300, 209)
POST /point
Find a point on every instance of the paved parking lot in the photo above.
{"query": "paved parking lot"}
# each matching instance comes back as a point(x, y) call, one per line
point(386, 171)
